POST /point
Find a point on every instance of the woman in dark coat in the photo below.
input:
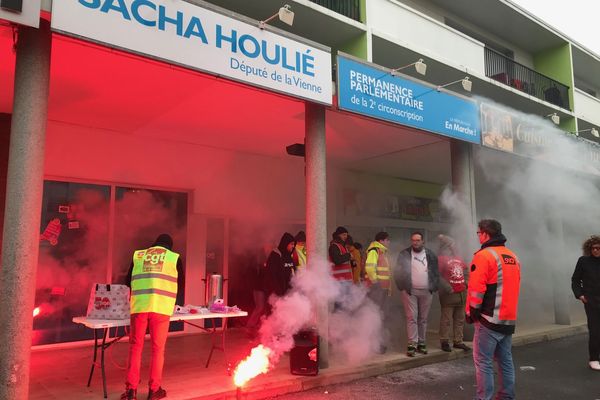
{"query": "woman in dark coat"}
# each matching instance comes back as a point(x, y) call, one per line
point(586, 288)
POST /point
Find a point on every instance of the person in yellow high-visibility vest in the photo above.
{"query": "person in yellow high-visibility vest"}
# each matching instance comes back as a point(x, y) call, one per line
point(299, 254)
point(377, 269)
point(358, 266)
point(155, 278)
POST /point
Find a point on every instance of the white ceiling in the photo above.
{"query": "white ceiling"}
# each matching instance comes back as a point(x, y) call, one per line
point(505, 21)
point(101, 89)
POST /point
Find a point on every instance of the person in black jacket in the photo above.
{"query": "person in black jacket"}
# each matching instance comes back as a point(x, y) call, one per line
point(341, 257)
point(585, 283)
point(166, 241)
point(417, 276)
point(280, 267)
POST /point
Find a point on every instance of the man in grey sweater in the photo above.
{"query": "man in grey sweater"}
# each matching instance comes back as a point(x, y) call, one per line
point(417, 277)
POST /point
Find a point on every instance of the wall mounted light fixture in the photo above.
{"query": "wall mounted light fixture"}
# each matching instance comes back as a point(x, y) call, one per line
point(466, 83)
point(285, 14)
point(593, 131)
point(420, 67)
point(554, 117)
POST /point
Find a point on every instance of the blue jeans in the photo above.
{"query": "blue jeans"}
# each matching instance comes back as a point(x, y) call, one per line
point(488, 345)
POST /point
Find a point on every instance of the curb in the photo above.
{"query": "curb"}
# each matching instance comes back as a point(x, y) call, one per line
point(381, 366)
point(546, 336)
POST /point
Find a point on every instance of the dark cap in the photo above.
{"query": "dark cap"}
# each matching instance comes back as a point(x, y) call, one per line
point(165, 240)
point(381, 236)
point(339, 230)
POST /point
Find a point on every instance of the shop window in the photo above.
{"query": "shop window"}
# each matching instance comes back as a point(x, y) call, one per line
point(140, 216)
point(400, 238)
point(73, 256)
point(88, 235)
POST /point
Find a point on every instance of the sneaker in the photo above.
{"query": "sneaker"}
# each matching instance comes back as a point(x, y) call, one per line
point(159, 393)
point(422, 348)
point(462, 346)
point(446, 347)
point(130, 394)
point(595, 365)
point(411, 350)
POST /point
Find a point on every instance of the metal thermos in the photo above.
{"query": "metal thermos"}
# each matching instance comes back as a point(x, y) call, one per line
point(214, 288)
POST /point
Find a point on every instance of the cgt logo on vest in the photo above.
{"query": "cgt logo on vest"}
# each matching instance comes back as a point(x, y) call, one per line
point(154, 259)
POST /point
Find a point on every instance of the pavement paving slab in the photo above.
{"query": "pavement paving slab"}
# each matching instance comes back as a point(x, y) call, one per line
point(61, 372)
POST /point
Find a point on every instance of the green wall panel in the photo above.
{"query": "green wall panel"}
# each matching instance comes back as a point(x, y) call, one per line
point(356, 46)
point(556, 63)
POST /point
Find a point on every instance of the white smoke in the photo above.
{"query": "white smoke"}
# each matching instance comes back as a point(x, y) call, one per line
point(355, 325)
point(546, 206)
point(463, 227)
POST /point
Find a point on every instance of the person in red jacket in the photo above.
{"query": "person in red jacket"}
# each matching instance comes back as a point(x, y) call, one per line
point(340, 256)
point(452, 294)
point(492, 300)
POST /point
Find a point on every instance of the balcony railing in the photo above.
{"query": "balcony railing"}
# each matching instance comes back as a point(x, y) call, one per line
point(505, 70)
point(349, 8)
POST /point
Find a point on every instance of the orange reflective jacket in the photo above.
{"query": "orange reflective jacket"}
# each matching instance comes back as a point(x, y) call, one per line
point(342, 272)
point(494, 286)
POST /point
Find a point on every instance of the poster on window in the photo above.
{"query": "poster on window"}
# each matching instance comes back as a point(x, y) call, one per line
point(381, 205)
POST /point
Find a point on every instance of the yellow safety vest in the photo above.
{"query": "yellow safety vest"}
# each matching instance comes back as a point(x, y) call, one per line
point(377, 265)
point(154, 281)
point(301, 254)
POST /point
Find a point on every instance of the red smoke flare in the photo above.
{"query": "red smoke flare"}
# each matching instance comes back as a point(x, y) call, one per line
point(36, 312)
point(255, 364)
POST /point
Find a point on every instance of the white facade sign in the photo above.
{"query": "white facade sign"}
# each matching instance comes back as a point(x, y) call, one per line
point(177, 31)
point(30, 15)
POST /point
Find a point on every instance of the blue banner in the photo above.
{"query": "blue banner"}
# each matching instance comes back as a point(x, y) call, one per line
point(376, 93)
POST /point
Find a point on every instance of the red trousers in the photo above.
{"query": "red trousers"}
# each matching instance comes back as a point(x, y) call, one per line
point(159, 329)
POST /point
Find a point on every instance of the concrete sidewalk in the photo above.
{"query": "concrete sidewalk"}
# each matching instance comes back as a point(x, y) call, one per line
point(62, 373)
point(384, 364)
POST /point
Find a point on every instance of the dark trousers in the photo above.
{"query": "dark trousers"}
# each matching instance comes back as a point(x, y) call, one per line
point(593, 323)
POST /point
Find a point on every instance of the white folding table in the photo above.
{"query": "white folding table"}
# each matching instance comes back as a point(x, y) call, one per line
point(104, 325)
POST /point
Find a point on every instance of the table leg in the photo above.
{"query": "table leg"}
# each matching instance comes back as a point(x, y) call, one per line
point(102, 362)
point(212, 343)
point(223, 329)
point(95, 355)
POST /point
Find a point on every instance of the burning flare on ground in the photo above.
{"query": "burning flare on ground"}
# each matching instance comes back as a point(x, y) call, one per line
point(36, 312)
point(255, 364)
